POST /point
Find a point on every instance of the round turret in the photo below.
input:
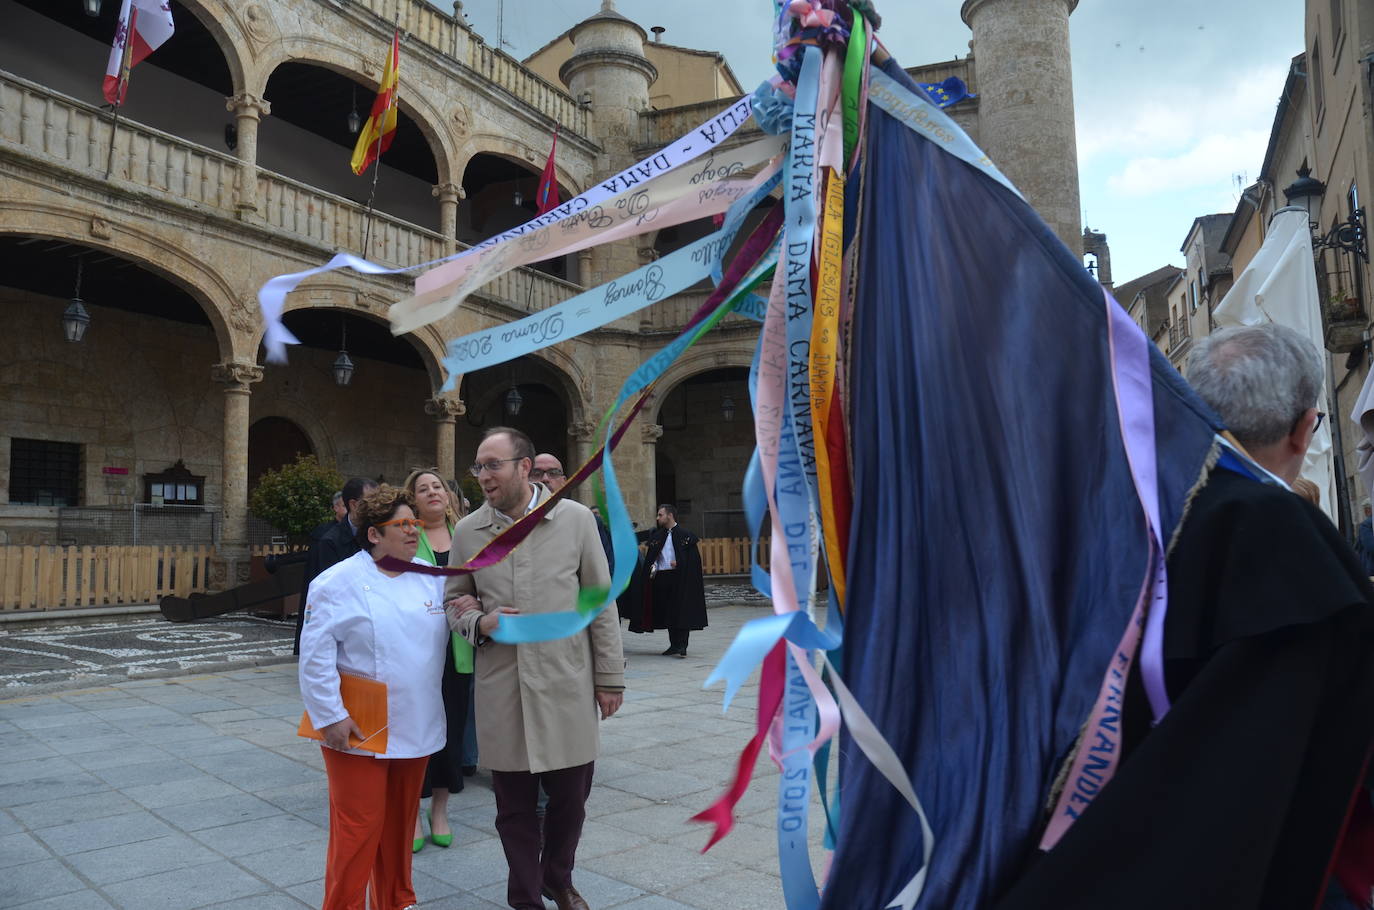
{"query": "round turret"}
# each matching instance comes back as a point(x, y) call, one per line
point(1025, 116)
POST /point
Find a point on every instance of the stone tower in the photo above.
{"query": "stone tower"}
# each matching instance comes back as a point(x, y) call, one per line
point(1095, 245)
point(609, 72)
point(1026, 122)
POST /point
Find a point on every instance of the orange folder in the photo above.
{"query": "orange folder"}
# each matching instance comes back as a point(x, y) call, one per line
point(365, 700)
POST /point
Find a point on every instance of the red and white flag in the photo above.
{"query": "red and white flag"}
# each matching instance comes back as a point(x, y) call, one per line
point(144, 26)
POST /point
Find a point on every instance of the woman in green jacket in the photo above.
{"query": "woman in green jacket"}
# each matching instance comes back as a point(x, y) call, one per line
point(444, 773)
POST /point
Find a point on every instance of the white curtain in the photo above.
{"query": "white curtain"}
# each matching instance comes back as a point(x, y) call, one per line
point(1280, 285)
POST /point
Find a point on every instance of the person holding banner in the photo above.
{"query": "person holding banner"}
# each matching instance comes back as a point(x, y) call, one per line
point(536, 702)
point(389, 627)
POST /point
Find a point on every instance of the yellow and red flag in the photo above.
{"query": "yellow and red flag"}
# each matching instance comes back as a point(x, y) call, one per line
point(376, 135)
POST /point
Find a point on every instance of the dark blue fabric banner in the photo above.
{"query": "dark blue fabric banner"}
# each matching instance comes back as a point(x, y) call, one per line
point(999, 546)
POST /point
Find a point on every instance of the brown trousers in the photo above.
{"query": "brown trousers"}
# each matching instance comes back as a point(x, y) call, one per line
point(372, 807)
point(531, 869)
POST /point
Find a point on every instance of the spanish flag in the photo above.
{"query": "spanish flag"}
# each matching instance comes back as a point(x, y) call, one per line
point(376, 135)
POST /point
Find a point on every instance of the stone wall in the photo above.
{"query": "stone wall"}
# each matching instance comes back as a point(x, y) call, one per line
point(707, 452)
point(137, 395)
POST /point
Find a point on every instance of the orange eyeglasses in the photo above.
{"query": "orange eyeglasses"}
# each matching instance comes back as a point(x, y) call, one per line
point(405, 524)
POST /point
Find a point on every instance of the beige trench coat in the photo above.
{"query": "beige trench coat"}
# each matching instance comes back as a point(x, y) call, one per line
point(536, 708)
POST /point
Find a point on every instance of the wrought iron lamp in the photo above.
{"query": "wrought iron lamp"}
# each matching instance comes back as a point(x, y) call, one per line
point(727, 408)
point(75, 319)
point(343, 364)
point(513, 401)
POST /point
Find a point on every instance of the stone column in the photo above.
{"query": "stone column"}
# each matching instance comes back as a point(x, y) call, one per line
point(642, 478)
point(1025, 112)
point(247, 109)
point(582, 442)
point(448, 195)
point(445, 412)
point(230, 567)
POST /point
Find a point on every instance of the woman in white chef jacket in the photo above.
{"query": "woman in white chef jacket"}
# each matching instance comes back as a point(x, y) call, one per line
point(387, 626)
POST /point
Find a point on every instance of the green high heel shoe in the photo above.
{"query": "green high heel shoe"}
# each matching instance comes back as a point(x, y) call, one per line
point(417, 844)
point(440, 840)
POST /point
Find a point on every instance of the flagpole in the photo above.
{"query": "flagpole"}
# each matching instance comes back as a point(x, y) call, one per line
point(121, 87)
point(377, 159)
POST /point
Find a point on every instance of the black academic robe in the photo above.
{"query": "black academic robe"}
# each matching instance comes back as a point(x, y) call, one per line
point(335, 544)
point(1238, 797)
point(673, 599)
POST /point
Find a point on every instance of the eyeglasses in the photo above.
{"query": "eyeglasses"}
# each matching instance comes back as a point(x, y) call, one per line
point(405, 524)
point(489, 466)
point(1321, 415)
point(541, 473)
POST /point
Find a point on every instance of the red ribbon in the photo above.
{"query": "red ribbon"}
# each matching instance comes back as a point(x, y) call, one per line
point(721, 813)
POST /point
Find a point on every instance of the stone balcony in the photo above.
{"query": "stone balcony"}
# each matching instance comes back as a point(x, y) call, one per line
point(68, 140)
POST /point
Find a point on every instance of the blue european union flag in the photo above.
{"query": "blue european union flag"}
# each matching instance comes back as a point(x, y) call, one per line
point(943, 94)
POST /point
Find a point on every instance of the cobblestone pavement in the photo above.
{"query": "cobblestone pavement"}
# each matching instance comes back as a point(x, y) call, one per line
point(194, 791)
point(48, 656)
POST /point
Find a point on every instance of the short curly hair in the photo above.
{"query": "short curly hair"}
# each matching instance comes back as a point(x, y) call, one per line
point(378, 506)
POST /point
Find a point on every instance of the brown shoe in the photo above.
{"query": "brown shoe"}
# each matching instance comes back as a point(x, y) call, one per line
point(566, 898)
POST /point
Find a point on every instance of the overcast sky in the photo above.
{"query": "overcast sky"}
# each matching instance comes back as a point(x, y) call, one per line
point(1174, 98)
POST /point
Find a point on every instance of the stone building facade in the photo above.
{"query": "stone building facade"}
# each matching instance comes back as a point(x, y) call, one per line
point(228, 167)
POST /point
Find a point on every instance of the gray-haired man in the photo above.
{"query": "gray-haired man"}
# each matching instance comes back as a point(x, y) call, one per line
point(1244, 787)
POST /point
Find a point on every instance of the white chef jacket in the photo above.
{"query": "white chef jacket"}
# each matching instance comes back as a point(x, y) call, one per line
point(361, 621)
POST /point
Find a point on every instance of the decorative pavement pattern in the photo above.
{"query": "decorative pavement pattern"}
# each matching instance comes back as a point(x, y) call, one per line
point(50, 654)
point(39, 657)
point(194, 791)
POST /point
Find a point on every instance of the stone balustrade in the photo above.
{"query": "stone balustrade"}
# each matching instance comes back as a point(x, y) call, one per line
point(658, 128)
point(672, 314)
point(421, 21)
point(61, 132)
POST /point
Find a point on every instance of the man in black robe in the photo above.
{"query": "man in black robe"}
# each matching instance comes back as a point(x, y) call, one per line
point(1240, 796)
point(674, 592)
point(335, 544)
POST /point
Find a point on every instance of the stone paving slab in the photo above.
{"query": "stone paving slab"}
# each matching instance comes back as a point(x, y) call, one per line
point(193, 791)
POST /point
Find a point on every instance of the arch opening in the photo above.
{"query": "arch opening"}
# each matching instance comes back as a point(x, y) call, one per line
point(708, 437)
point(308, 138)
point(501, 194)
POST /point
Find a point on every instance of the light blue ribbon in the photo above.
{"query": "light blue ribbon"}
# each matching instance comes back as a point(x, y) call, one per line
point(927, 120)
point(796, 471)
point(519, 628)
point(794, 792)
point(602, 305)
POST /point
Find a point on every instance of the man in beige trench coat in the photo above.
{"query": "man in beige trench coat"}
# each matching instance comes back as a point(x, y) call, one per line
point(537, 704)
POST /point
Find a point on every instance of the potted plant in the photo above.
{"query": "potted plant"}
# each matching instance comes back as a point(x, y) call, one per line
point(296, 497)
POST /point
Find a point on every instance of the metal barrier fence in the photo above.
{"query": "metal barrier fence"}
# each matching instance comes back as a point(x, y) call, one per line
point(135, 525)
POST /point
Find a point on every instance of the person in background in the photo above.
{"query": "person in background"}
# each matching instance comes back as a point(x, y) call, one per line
point(674, 596)
point(336, 543)
point(443, 774)
point(339, 506)
point(390, 627)
point(548, 470)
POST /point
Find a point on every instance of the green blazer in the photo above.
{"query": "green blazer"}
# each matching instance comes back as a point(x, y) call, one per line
point(462, 649)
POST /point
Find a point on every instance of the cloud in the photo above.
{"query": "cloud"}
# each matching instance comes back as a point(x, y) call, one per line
point(1178, 117)
point(1212, 160)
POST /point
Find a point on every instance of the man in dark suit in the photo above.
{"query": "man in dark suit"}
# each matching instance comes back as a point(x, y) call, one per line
point(335, 544)
point(674, 593)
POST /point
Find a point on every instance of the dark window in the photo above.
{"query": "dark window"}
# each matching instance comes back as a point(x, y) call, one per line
point(44, 473)
point(176, 486)
point(1314, 72)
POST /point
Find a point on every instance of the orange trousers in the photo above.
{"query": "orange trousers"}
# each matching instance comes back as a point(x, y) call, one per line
point(372, 808)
